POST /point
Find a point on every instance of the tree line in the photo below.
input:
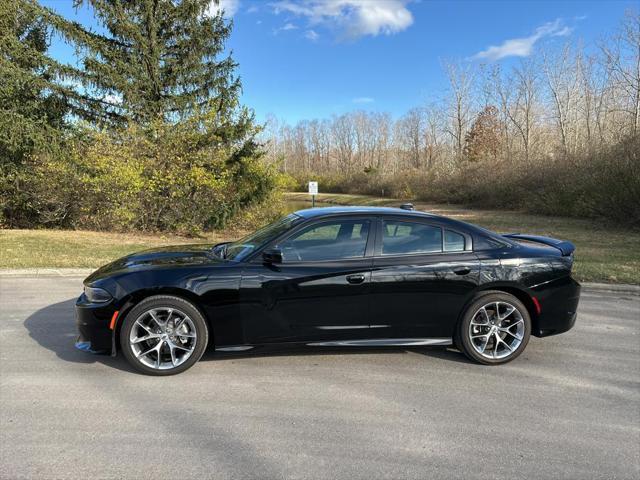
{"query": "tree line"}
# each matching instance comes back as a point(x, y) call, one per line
point(143, 129)
point(567, 106)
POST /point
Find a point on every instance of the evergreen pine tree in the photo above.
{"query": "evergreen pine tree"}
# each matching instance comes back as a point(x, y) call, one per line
point(32, 106)
point(157, 60)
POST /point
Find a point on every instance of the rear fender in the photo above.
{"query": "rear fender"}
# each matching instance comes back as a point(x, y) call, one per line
point(522, 294)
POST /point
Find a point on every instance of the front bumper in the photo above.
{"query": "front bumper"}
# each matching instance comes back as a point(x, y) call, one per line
point(92, 322)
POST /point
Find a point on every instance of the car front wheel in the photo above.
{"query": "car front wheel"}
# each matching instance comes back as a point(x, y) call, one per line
point(163, 335)
point(495, 328)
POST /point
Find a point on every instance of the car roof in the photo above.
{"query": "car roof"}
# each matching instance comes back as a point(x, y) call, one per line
point(321, 212)
point(326, 211)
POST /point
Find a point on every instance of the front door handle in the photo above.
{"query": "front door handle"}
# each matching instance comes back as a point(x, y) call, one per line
point(462, 271)
point(355, 279)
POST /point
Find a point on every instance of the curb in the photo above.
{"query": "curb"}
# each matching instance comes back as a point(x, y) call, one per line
point(83, 272)
point(611, 288)
point(45, 272)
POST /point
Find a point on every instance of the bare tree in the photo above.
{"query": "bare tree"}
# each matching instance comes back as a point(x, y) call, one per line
point(460, 84)
point(410, 136)
point(622, 56)
point(343, 134)
point(521, 113)
point(563, 87)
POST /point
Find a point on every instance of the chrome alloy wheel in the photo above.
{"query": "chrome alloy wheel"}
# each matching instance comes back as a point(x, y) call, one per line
point(496, 330)
point(162, 338)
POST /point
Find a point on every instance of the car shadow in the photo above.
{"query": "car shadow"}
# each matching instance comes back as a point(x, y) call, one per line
point(53, 327)
point(444, 353)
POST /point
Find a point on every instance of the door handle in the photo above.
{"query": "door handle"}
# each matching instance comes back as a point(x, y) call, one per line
point(462, 271)
point(355, 279)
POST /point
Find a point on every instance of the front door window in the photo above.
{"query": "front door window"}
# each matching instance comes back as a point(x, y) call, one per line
point(334, 240)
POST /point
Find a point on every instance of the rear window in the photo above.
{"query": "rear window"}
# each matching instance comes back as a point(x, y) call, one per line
point(453, 241)
point(481, 242)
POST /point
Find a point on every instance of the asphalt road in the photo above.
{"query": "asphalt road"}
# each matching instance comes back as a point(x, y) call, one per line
point(569, 407)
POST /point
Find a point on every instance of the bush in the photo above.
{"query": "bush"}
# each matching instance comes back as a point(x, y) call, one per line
point(141, 180)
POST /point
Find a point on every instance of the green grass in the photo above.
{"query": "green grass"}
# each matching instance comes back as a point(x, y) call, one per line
point(603, 253)
point(78, 249)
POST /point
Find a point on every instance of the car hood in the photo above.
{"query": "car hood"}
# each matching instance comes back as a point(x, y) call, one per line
point(173, 256)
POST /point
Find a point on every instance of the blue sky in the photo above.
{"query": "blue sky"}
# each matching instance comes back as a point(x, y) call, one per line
point(315, 58)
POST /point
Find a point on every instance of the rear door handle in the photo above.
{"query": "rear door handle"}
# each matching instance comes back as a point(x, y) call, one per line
point(355, 279)
point(462, 271)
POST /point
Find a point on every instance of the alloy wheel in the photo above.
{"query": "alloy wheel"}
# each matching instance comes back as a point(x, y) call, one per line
point(163, 338)
point(496, 330)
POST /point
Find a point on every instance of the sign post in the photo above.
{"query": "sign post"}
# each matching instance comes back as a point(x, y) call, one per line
point(313, 191)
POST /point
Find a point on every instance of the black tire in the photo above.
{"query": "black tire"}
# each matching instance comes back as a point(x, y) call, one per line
point(462, 335)
point(165, 302)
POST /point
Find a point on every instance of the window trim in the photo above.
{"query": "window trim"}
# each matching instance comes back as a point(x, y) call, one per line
point(464, 240)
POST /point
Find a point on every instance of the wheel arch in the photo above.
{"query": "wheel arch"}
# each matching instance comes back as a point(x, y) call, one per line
point(518, 292)
point(136, 297)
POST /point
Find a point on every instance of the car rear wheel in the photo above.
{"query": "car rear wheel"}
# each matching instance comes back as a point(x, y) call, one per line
point(163, 335)
point(495, 329)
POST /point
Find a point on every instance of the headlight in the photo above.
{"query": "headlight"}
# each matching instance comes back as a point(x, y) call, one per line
point(96, 295)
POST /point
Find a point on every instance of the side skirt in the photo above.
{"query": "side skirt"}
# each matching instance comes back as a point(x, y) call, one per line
point(234, 348)
point(385, 342)
point(379, 342)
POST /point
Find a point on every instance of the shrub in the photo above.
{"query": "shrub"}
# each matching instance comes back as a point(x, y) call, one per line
point(141, 180)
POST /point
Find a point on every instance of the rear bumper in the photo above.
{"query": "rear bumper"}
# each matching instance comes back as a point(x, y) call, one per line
point(92, 322)
point(559, 307)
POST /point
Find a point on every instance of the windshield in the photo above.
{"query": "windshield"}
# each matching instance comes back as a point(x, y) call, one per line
point(240, 249)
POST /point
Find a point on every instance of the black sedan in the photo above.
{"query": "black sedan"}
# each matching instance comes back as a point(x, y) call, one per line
point(333, 277)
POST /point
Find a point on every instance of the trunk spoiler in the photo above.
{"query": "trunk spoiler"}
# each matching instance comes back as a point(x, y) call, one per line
point(567, 248)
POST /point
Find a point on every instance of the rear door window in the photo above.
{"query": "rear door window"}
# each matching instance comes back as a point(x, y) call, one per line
point(401, 238)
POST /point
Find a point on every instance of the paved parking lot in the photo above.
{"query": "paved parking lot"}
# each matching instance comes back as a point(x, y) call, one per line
point(569, 407)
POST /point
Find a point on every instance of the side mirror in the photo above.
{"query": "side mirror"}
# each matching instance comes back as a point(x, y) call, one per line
point(272, 255)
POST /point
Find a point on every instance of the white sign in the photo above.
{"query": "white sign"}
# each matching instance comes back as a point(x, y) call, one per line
point(313, 188)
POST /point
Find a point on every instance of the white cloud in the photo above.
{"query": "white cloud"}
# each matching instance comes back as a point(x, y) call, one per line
point(352, 18)
point(311, 35)
point(522, 47)
point(230, 7)
point(363, 100)
point(286, 27)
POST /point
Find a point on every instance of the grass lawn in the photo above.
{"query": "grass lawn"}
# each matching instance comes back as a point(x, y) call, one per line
point(78, 249)
point(603, 254)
